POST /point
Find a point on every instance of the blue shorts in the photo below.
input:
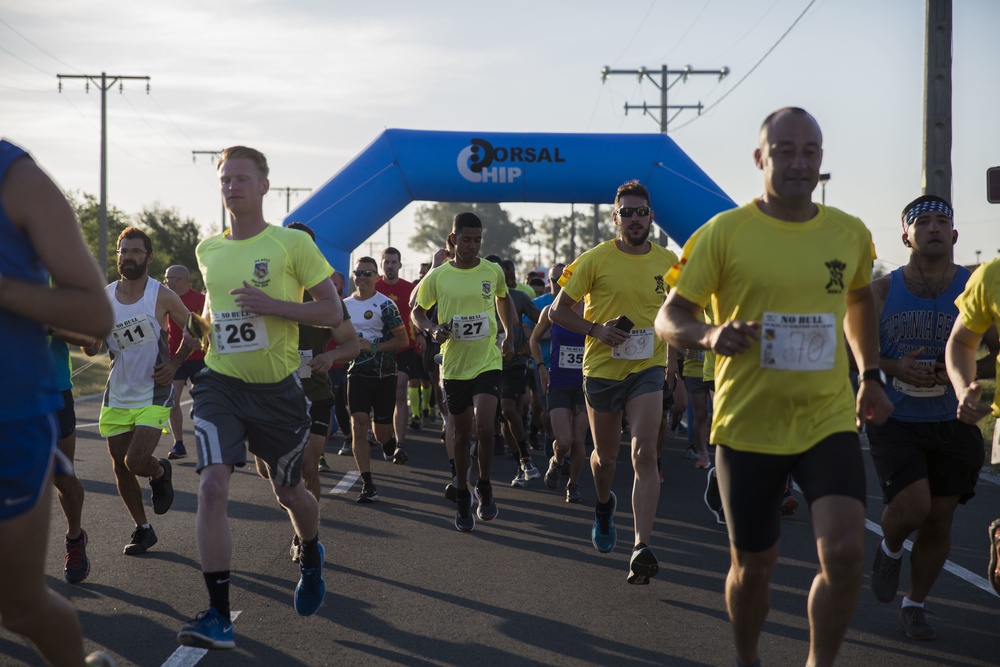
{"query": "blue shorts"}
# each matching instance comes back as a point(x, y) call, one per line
point(25, 461)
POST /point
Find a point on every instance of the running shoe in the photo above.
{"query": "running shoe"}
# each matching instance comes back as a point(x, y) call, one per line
point(642, 566)
point(788, 504)
point(603, 534)
point(345, 449)
point(530, 470)
point(163, 489)
point(99, 659)
point(415, 424)
point(702, 463)
point(487, 509)
point(451, 490)
point(388, 449)
point(209, 630)
point(295, 550)
point(552, 474)
point(519, 479)
point(323, 465)
point(178, 451)
point(994, 546)
point(912, 620)
point(692, 452)
point(142, 539)
point(573, 494)
point(311, 589)
point(465, 520)
point(399, 456)
point(369, 494)
point(77, 564)
point(884, 577)
point(713, 499)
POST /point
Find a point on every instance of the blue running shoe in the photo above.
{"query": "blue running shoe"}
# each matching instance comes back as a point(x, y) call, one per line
point(603, 534)
point(210, 630)
point(311, 589)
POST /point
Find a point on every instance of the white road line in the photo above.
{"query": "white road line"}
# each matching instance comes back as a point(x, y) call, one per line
point(347, 482)
point(188, 656)
point(957, 570)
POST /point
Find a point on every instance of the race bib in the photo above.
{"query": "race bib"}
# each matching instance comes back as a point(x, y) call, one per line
point(695, 355)
point(133, 333)
point(305, 356)
point(798, 342)
point(237, 331)
point(638, 346)
point(470, 327)
point(919, 392)
point(571, 356)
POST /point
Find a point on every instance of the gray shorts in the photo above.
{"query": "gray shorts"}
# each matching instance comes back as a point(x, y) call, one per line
point(271, 419)
point(612, 395)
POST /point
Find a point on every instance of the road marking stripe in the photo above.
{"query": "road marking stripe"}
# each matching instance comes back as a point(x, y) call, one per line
point(957, 570)
point(188, 656)
point(347, 482)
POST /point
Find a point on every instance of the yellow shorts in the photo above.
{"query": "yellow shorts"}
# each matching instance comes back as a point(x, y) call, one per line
point(115, 421)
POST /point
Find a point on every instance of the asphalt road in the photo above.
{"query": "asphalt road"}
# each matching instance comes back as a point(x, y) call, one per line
point(405, 588)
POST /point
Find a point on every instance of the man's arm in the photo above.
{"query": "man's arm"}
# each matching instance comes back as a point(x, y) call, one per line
point(77, 300)
point(861, 332)
point(174, 309)
point(907, 368)
point(323, 311)
point(960, 358)
point(508, 317)
point(397, 341)
point(348, 348)
point(562, 313)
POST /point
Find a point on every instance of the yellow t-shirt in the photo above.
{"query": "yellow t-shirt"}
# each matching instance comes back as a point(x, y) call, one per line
point(979, 305)
point(617, 283)
point(466, 298)
point(791, 389)
point(695, 361)
point(281, 262)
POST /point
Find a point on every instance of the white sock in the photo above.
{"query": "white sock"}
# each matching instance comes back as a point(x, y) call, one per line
point(907, 602)
point(896, 555)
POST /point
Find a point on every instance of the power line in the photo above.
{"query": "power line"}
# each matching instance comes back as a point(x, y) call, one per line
point(663, 85)
point(61, 62)
point(751, 71)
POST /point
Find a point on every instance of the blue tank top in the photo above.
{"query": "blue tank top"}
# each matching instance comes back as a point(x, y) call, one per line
point(29, 386)
point(566, 359)
point(908, 323)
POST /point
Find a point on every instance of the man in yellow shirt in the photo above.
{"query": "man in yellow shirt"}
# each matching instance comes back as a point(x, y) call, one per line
point(787, 279)
point(978, 312)
point(250, 396)
point(623, 362)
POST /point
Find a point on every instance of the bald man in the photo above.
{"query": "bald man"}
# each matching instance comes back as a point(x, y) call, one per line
point(178, 279)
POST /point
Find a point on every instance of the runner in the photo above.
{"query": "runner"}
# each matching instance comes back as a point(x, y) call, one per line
point(469, 294)
point(250, 395)
point(623, 364)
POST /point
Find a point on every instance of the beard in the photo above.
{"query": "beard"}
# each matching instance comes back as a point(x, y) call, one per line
point(633, 240)
point(131, 270)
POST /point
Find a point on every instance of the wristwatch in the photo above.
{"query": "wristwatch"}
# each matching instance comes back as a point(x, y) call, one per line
point(875, 374)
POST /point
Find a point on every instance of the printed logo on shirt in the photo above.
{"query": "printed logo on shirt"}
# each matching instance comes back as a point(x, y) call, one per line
point(261, 273)
point(660, 289)
point(487, 289)
point(369, 314)
point(836, 283)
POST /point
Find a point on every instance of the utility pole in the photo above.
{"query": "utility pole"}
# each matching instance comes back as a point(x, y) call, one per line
point(937, 100)
point(664, 85)
point(194, 158)
point(104, 81)
point(288, 196)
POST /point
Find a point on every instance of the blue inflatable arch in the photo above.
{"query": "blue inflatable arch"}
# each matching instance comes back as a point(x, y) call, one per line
point(401, 166)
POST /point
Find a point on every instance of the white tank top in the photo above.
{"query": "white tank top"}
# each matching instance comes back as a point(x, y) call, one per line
point(136, 344)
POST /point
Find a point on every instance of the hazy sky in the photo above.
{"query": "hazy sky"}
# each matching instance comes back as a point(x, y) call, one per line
point(312, 83)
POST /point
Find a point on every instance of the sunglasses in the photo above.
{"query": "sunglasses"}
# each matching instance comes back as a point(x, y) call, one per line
point(627, 211)
point(367, 273)
point(131, 251)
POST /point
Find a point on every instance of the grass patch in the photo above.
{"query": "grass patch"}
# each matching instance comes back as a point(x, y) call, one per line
point(90, 374)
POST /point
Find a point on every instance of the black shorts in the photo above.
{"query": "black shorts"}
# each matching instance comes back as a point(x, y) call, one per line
point(948, 454)
point(66, 417)
point(513, 381)
point(338, 379)
point(570, 398)
point(188, 369)
point(320, 412)
point(460, 393)
point(697, 386)
point(409, 364)
point(430, 352)
point(668, 394)
point(613, 395)
point(376, 395)
point(751, 484)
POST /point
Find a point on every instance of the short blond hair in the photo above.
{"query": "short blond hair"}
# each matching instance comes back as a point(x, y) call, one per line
point(243, 152)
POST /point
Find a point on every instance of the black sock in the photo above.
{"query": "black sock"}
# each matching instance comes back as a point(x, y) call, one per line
point(605, 507)
point(640, 545)
point(310, 552)
point(483, 484)
point(178, 442)
point(77, 539)
point(390, 444)
point(451, 462)
point(366, 477)
point(218, 591)
point(522, 448)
